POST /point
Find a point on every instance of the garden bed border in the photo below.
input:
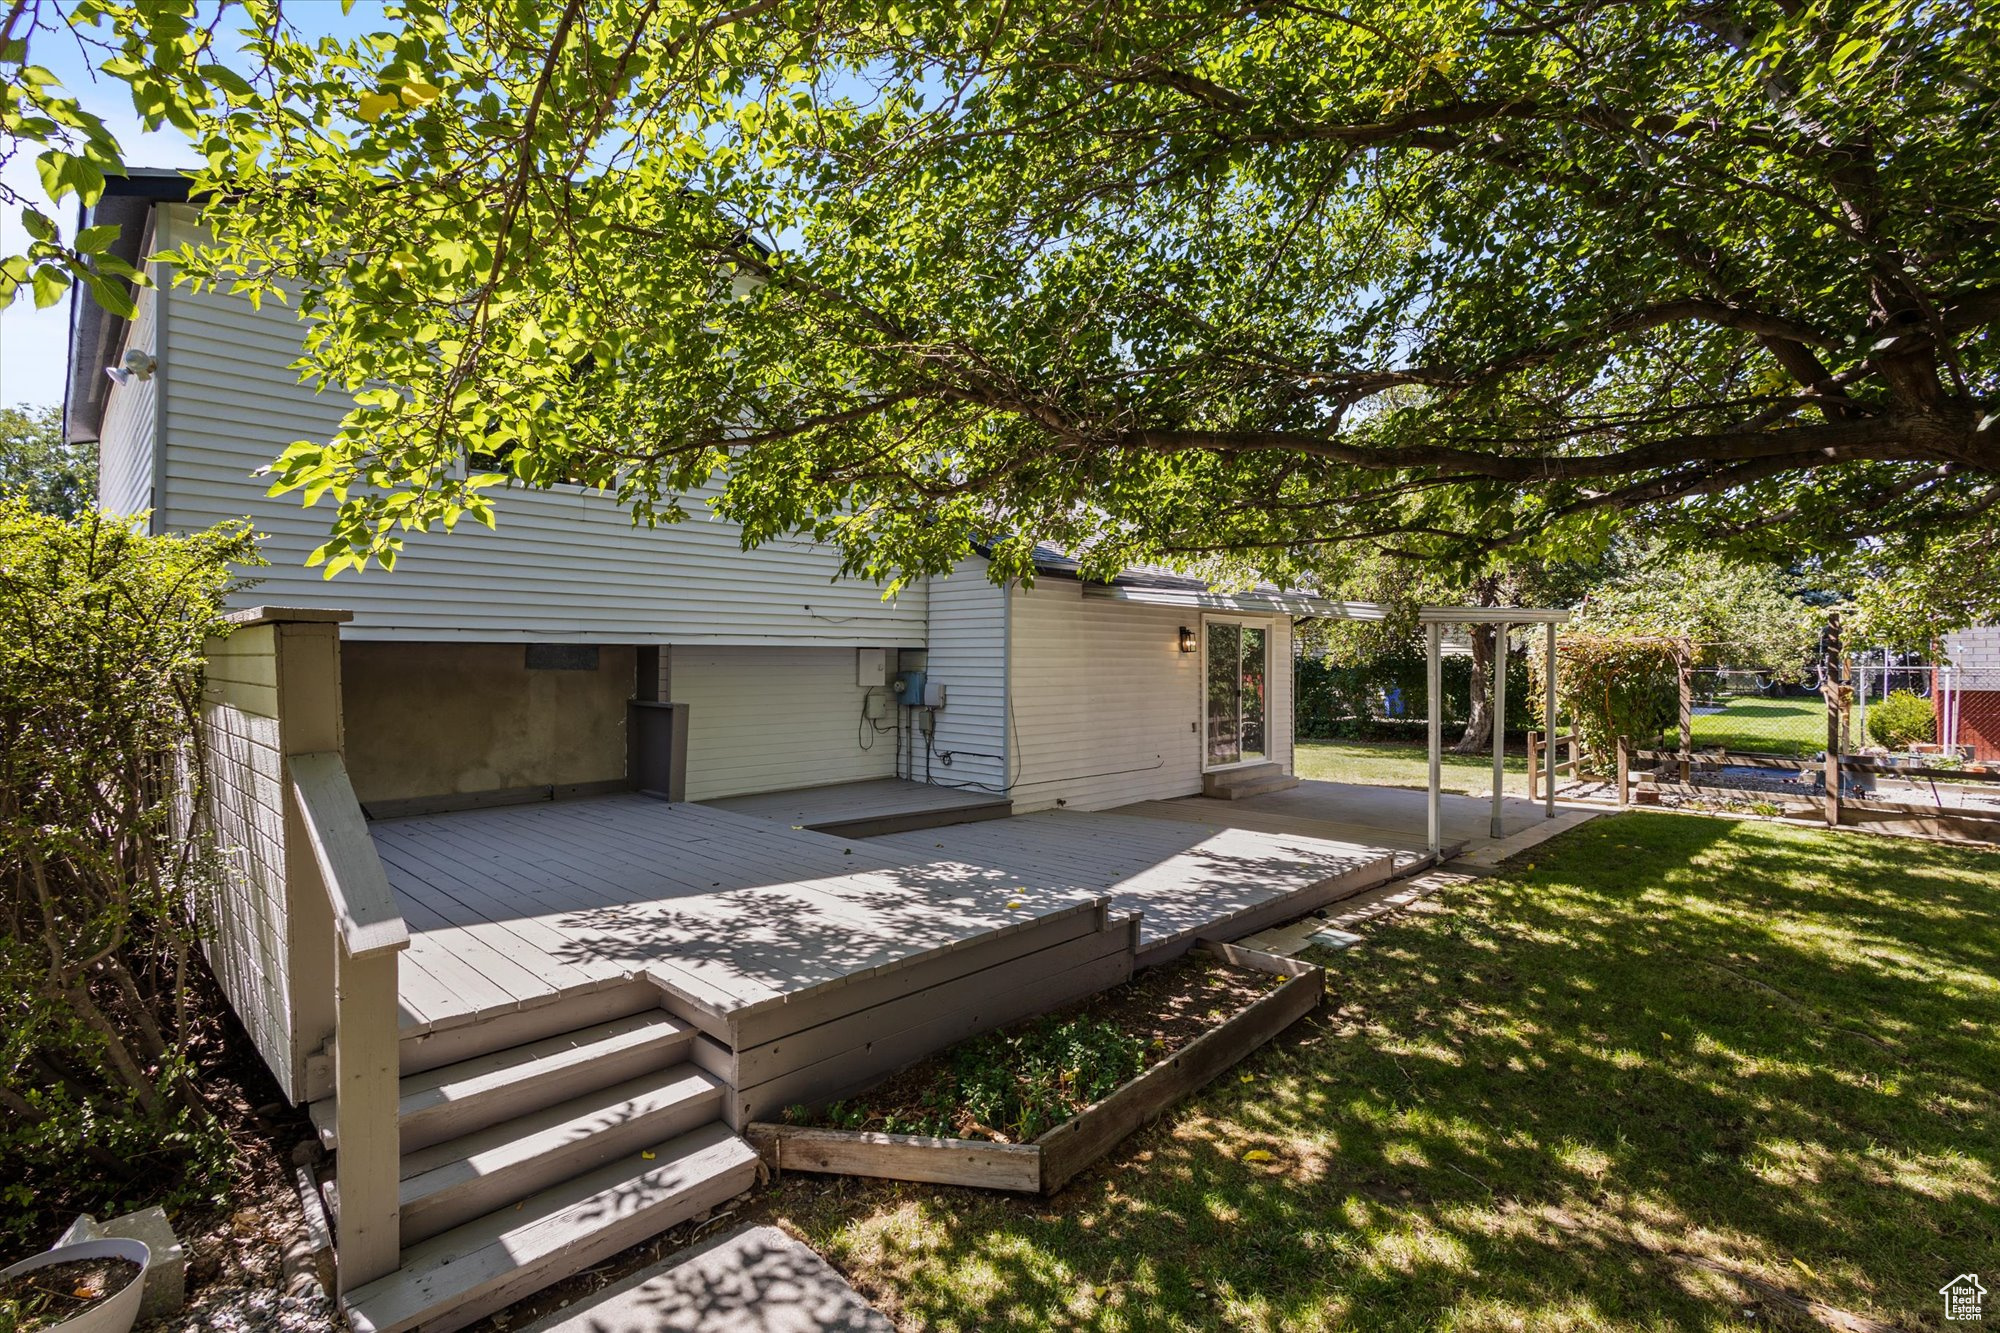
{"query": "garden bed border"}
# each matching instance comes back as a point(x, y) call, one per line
point(1053, 1160)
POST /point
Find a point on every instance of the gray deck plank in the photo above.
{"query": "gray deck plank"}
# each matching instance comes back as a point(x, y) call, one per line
point(1178, 874)
point(807, 806)
point(736, 913)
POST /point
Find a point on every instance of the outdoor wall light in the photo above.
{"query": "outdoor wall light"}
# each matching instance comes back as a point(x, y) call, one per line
point(1188, 637)
point(138, 365)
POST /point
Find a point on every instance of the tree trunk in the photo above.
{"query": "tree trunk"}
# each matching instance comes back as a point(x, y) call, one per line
point(1479, 721)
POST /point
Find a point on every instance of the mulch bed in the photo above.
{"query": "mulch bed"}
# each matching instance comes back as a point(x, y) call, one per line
point(1165, 1007)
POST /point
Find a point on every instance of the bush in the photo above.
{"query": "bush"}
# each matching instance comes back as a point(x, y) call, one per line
point(101, 638)
point(1612, 685)
point(1902, 720)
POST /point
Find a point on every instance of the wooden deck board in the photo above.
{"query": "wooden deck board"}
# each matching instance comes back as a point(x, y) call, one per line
point(1181, 876)
point(808, 807)
point(725, 910)
point(734, 913)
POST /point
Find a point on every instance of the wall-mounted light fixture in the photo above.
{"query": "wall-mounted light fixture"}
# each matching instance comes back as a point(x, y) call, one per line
point(137, 365)
point(1188, 639)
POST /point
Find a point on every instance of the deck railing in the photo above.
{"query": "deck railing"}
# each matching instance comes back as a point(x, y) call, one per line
point(368, 934)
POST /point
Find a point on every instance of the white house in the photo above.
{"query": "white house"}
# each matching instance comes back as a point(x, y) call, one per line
point(531, 1006)
point(494, 665)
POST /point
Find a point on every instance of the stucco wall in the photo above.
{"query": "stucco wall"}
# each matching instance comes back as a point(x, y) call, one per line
point(446, 719)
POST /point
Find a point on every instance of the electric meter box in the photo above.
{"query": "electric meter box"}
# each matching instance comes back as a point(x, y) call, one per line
point(871, 667)
point(910, 689)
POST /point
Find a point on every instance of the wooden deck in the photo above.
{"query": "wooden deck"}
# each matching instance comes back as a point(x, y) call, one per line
point(1351, 812)
point(869, 809)
point(513, 906)
point(1187, 879)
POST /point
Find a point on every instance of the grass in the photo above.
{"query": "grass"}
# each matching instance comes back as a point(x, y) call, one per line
point(1678, 1073)
point(1402, 764)
point(1766, 726)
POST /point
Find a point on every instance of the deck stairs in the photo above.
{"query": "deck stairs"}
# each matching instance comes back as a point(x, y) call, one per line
point(1234, 784)
point(539, 1143)
point(528, 1163)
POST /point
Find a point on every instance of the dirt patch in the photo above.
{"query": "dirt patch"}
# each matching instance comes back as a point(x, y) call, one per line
point(47, 1296)
point(1013, 1084)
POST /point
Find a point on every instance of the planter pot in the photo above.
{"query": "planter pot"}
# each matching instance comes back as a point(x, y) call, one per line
point(112, 1315)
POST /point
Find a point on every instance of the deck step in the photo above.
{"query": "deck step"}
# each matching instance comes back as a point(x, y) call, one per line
point(451, 1183)
point(468, 1272)
point(1236, 783)
point(457, 1099)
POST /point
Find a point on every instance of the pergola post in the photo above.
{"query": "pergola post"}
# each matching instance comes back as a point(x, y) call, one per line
point(1434, 691)
point(1549, 715)
point(1497, 828)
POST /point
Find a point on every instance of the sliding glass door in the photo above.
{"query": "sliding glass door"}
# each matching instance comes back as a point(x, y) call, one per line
point(1237, 670)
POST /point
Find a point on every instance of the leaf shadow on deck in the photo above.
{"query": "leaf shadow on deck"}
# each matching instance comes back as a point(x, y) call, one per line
point(742, 910)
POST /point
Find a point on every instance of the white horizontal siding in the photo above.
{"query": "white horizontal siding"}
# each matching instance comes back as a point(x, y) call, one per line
point(1104, 702)
point(1106, 709)
point(247, 940)
point(1281, 723)
point(125, 440)
point(563, 565)
point(968, 656)
point(768, 719)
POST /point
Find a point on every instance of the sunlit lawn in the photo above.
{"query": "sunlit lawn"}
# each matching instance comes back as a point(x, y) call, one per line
point(1403, 764)
point(1581, 1095)
point(1767, 726)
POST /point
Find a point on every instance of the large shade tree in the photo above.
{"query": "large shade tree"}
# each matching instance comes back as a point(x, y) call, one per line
point(1445, 279)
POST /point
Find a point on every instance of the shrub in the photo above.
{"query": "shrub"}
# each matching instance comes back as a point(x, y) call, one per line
point(1902, 720)
point(101, 638)
point(1612, 685)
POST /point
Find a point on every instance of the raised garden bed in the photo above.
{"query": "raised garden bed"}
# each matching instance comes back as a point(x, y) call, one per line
point(1166, 1011)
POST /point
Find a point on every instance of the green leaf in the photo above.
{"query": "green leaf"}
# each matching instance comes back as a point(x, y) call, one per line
point(50, 283)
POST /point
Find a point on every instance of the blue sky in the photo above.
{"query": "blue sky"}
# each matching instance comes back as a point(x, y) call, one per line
point(34, 343)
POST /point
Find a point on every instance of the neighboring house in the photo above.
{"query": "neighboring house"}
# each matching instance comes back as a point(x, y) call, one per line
point(1969, 694)
point(501, 662)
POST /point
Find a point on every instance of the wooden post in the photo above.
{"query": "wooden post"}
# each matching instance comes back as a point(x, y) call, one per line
point(368, 1237)
point(1535, 765)
point(1497, 826)
point(1686, 750)
point(1434, 688)
point(1549, 719)
point(1624, 772)
point(1834, 713)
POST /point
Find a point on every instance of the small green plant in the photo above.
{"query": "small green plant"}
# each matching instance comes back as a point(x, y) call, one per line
point(1901, 720)
point(1615, 684)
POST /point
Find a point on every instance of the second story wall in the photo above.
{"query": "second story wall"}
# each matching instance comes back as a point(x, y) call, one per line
point(126, 441)
point(564, 565)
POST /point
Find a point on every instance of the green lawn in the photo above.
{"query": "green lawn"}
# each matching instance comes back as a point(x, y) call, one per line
point(1401, 764)
point(1678, 1073)
point(1768, 726)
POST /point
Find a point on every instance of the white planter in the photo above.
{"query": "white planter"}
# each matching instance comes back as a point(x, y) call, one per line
point(114, 1315)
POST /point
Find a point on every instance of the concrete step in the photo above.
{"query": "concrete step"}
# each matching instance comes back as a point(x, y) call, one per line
point(468, 1272)
point(450, 1183)
point(456, 1099)
point(1234, 784)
